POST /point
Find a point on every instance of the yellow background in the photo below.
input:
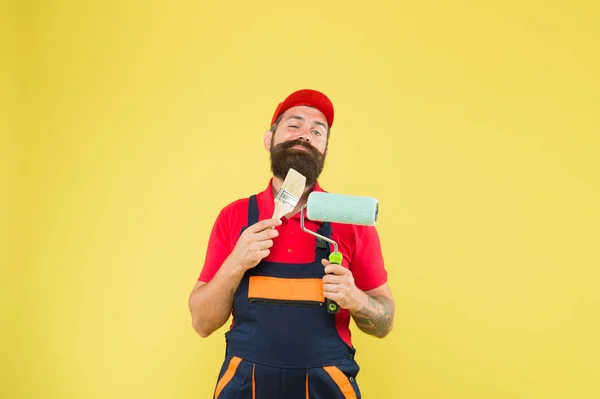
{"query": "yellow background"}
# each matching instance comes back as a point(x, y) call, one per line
point(127, 125)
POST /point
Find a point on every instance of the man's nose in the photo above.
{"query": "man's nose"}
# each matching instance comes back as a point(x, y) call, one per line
point(304, 134)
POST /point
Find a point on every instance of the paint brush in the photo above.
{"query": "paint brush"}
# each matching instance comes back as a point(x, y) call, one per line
point(289, 194)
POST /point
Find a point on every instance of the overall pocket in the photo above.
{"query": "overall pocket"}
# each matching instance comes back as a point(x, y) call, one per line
point(330, 382)
point(236, 378)
point(285, 291)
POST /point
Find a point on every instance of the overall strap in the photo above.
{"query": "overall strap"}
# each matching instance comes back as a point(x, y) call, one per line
point(322, 247)
point(252, 212)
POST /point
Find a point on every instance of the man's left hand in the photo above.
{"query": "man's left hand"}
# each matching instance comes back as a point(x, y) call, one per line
point(338, 285)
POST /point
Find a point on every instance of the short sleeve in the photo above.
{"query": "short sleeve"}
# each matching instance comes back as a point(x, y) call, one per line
point(219, 245)
point(368, 268)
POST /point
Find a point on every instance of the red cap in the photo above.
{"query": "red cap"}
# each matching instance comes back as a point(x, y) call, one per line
point(310, 98)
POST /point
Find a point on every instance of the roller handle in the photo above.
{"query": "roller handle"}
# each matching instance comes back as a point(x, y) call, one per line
point(332, 306)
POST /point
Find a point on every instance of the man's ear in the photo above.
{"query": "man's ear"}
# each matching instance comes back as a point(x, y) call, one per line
point(268, 137)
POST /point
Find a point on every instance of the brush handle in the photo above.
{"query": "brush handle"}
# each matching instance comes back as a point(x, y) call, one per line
point(280, 209)
point(332, 306)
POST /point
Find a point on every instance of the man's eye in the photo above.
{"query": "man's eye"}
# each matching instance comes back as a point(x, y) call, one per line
point(317, 132)
point(294, 126)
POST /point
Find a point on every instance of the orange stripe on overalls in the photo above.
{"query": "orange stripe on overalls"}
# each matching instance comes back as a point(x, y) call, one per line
point(233, 365)
point(342, 381)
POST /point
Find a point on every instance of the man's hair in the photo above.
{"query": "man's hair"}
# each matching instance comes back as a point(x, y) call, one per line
point(275, 124)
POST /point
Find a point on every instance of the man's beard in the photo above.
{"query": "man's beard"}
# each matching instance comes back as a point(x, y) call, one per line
point(308, 163)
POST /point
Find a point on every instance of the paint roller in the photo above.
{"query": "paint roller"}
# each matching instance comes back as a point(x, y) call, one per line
point(338, 208)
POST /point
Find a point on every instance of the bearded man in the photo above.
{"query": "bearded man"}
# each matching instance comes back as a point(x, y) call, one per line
point(290, 348)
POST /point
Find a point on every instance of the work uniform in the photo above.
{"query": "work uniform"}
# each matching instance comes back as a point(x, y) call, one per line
point(283, 344)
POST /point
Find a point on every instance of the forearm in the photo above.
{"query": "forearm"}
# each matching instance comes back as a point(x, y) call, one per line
point(211, 303)
point(373, 315)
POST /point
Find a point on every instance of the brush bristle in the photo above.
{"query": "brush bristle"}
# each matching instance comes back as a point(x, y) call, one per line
point(294, 183)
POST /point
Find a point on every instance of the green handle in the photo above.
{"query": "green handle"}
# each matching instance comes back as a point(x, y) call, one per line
point(332, 306)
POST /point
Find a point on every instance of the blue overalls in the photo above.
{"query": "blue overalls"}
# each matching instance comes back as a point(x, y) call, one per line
point(283, 343)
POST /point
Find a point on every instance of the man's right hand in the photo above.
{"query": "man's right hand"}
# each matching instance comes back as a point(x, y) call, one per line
point(211, 303)
point(254, 243)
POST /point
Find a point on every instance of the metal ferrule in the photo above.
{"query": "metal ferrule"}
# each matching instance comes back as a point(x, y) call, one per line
point(287, 198)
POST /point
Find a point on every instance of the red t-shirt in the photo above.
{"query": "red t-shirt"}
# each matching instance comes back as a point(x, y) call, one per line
point(359, 246)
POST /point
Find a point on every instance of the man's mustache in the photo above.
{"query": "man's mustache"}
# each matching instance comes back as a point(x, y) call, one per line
point(292, 143)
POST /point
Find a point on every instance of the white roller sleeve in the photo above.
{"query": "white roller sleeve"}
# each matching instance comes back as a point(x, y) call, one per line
point(341, 208)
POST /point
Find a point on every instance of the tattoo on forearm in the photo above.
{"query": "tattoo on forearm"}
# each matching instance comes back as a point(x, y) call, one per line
point(376, 318)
